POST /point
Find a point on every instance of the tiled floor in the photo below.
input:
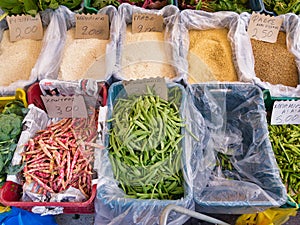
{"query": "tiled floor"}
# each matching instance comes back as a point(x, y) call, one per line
point(89, 220)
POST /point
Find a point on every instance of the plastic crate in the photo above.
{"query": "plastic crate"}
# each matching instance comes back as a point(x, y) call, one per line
point(241, 107)
point(34, 92)
point(112, 203)
point(269, 102)
point(20, 95)
point(11, 193)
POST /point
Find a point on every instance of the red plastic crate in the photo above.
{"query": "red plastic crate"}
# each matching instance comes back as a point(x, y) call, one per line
point(11, 193)
point(34, 94)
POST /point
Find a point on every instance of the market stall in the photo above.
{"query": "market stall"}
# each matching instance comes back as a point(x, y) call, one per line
point(150, 112)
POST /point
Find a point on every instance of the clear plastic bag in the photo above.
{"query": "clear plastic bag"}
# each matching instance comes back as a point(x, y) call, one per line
point(194, 67)
point(290, 26)
point(107, 60)
point(112, 204)
point(150, 54)
point(45, 61)
point(241, 174)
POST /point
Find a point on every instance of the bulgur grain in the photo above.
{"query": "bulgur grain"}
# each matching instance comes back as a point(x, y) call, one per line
point(212, 50)
point(274, 63)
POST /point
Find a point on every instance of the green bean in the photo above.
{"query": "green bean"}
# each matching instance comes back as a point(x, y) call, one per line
point(285, 142)
point(145, 145)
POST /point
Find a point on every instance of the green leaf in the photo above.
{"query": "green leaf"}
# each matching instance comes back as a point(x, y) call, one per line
point(31, 7)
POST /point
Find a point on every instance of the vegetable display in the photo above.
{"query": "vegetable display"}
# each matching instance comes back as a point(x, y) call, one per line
point(238, 6)
point(60, 156)
point(285, 140)
point(145, 146)
point(282, 6)
point(32, 7)
point(11, 119)
point(99, 4)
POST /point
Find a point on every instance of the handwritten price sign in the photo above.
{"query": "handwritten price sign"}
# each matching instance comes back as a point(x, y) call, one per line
point(92, 26)
point(264, 27)
point(142, 22)
point(286, 112)
point(65, 106)
point(25, 27)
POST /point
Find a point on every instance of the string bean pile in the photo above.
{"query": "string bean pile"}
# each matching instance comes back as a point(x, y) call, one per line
point(145, 150)
point(285, 140)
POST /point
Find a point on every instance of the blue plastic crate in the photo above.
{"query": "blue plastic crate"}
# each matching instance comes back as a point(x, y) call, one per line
point(236, 117)
point(111, 200)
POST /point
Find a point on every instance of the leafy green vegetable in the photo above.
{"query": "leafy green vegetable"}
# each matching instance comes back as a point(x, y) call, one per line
point(238, 6)
point(32, 7)
point(10, 126)
point(282, 6)
point(16, 107)
point(99, 4)
point(11, 119)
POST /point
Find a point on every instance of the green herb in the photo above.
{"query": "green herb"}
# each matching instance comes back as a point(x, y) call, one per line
point(145, 146)
point(238, 6)
point(32, 7)
point(99, 4)
point(282, 6)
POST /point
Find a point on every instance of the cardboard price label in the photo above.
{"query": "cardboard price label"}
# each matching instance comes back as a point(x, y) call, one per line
point(264, 27)
point(286, 112)
point(92, 26)
point(25, 27)
point(139, 87)
point(146, 22)
point(65, 106)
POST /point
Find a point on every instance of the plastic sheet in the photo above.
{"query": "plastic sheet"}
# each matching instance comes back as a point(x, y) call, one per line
point(20, 216)
point(201, 20)
point(113, 207)
point(239, 173)
point(158, 57)
point(45, 65)
point(290, 26)
point(66, 21)
point(37, 120)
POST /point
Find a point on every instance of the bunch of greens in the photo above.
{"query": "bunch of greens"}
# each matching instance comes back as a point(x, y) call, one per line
point(282, 6)
point(32, 7)
point(99, 4)
point(11, 119)
point(238, 6)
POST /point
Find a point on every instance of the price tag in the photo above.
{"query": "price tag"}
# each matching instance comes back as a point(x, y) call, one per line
point(146, 22)
point(139, 87)
point(65, 106)
point(286, 112)
point(264, 27)
point(25, 27)
point(92, 26)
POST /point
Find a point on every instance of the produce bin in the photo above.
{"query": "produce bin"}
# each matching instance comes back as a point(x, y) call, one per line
point(12, 191)
point(111, 203)
point(243, 176)
point(20, 95)
point(280, 134)
point(250, 5)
